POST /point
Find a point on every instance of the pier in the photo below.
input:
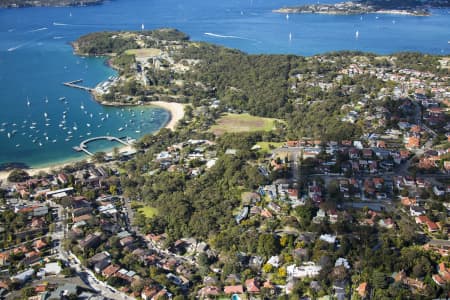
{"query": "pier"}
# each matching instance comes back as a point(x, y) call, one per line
point(75, 84)
point(83, 145)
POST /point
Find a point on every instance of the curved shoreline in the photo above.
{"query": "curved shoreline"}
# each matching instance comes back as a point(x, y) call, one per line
point(176, 112)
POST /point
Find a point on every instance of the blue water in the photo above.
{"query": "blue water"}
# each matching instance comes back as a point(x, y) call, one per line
point(35, 57)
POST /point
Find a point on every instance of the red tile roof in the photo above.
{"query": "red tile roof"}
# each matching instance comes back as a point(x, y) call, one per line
point(233, 289)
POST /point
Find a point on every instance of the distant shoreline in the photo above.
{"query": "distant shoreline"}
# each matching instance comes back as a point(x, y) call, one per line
point(351, 8)
point(47, 3)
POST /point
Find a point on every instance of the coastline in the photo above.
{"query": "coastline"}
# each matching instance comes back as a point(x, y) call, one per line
point(345, 12)
point(176, 111)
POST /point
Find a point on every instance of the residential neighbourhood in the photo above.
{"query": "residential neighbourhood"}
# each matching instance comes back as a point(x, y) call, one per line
point(274, 216)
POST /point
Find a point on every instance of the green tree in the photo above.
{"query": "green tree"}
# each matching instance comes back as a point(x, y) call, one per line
point(99, 157)
point(268, 245)
point(18, 175)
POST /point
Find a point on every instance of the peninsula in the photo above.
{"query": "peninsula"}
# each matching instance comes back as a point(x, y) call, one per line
point(357, 7)
point(56, 3)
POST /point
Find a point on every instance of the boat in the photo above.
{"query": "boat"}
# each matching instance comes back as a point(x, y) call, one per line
point(357, 34)
point(138, 131)
point(9, 135)
point(28, 102)
point(40, 144)
point(290, 36)
point(62, 98)
point(88, 125)
point(53, 141)
point(45, 115)
point(18, 145)
point(287, 17)
point(120, 129)
point(82, 106)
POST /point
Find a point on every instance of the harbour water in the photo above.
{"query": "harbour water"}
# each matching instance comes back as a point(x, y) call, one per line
point(35, 58)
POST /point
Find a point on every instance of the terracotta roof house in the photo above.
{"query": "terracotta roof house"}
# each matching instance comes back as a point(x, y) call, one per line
point(233, 289)
point(362, 289)
point(148, 293)
point(39, 244)
point(432, 226)
point(252, 285)
point(110, 270)
point(4, 258)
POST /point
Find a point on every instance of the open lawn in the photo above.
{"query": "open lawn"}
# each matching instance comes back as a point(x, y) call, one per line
point(148, 211)
point(267, 146)
point(242, 123)
point(143, 53)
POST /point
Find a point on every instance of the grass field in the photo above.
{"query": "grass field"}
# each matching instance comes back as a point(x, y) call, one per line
point(267, 146)
point(145, 52)
point(148, 211)
point(242, 123)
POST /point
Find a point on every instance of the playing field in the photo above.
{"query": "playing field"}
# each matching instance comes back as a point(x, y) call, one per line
point(242, 123)
point(143, 53)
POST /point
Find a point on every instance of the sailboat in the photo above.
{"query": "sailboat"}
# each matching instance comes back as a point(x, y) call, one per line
point(357, 34)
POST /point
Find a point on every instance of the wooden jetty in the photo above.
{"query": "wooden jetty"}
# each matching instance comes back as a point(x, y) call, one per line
point(75, 84)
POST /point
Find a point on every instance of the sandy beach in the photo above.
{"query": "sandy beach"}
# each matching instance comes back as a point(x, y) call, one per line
point(176, 114)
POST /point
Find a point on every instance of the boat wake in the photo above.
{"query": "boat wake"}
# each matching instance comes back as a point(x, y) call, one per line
point(60, 24)
point(39, 29)
point(228, 36)
point(15, 48)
